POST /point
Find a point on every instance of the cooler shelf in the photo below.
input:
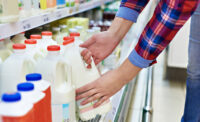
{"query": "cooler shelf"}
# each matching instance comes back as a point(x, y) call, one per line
point(10, 29)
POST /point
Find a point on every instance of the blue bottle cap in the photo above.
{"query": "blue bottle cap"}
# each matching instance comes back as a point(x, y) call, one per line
point(25, 87)
point(33, 77)
point(11, 97)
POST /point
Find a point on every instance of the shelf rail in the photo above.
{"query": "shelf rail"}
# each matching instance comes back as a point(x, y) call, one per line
point(147, 110)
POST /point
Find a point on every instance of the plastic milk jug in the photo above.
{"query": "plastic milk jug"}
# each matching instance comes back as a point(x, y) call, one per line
point(4, 52)
point(40, 43)
point(32, 50)
point(45, 87)
point(76, 35)
point(14, 109)
point(47, 38)
point(15, 68)
point(56, 70)
point(8, 43)
point(86, 112)
point(35, 97)
point(9, 11)
point(57, 35)
point(19, 38)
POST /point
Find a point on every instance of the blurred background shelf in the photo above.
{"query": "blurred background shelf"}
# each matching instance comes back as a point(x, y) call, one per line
point(10, 29)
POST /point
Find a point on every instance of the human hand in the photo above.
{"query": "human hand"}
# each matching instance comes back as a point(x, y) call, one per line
point(99, 46)
point(101, 89)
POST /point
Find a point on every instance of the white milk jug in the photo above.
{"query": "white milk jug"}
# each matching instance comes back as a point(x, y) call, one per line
point(57, 35)
point(56, 70)
point(19, 38)
point(15, 68)
point(76, 35)
point(32, 50)
point(8, 43)
point(14, 109)
point(4, 52)
point(82, 76)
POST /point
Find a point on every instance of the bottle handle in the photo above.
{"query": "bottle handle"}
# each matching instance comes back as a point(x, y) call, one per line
point(84, 63)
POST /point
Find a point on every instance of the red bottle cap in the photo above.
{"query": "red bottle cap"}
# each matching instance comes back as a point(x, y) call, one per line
point(36, 37)
point(47, 33)
point(68, 38)
point(74, 34)
point(69, 41)
point(53, 48)
point(19, 46)
point(30, 41)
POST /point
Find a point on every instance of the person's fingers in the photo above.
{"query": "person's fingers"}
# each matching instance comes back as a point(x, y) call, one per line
point(84, 88)
point(96, 61)
point(91, 99)
point(86, 94)
point(89, 66)
point(87, 43)
point(88, 57)
point(84, 52)
point(102, 100)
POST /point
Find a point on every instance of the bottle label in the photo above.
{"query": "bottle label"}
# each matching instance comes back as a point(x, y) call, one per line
point(60, 112)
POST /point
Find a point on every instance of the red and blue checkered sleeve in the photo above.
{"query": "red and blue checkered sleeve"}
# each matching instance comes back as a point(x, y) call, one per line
point(168, 18)
point(130, 9)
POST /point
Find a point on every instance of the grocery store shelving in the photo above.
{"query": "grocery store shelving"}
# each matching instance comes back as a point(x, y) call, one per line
point(10, 29)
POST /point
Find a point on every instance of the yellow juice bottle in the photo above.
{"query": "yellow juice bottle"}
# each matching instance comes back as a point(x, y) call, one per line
point(43, 4)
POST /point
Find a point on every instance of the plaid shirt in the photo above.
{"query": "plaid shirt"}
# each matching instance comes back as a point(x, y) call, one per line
point(169, 16)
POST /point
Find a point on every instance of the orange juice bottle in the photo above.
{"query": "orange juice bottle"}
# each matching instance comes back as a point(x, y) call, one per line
point(51, 5)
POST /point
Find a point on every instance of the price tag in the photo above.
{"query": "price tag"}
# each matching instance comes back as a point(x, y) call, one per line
point(46, 18)
point(58, 14)
point(26, 25)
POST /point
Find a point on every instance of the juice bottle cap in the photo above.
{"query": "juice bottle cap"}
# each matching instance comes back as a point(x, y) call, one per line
point(53, 48)
point(68, 38)
point(36, 37)
point(19, 46)
point(33, 77)
point(66, 42)
point(30, 41)
point(25, 87)
point(74, 34)
point(47, 33)
point(11, 97)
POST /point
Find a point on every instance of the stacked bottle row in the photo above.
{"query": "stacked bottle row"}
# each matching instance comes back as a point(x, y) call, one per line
point(61, 65)
point(13, 10)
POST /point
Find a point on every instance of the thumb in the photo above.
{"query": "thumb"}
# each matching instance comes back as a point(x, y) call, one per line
point(87, 43)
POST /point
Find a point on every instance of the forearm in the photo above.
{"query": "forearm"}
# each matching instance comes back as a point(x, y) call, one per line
point(119, 28)
point(127, 71)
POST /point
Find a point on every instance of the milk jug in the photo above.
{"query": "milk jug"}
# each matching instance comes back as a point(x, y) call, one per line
point(19, 38)
point(15, 68)
point(9, 11)
point(32, 50)
point(96, 29)
point(57, 35)
point(76, 35)
point(40, 45)
point(43, 86)
point(35, 97)
point(56, 70)
point(14, 109)
point(81, 31)
point(86, 112)
point(90, 33)
point(8, 43)
point(4, 52)
point(47, 38)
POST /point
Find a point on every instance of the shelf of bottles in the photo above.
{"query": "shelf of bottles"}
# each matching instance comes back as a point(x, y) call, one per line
point(9, 29)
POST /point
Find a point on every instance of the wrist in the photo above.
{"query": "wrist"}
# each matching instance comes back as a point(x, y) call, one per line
point(119, 28)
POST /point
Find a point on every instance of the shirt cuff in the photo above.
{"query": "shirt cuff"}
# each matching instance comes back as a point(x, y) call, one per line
point(139, 61)
point(128, 14)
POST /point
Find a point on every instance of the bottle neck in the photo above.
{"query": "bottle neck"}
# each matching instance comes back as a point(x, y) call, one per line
point(46, 37)
point(22, 51)
point(53, 53)
point(30, 47)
